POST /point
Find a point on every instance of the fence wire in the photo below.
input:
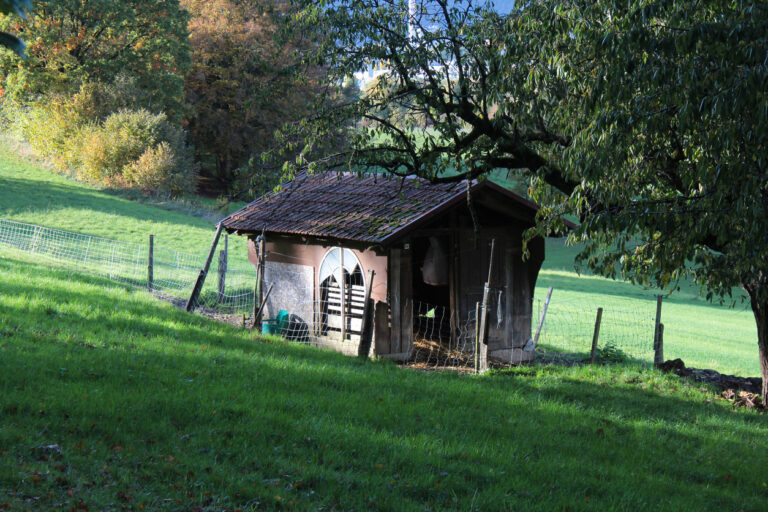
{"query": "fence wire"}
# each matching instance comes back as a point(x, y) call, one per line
point(314, 316)
point(569, 327)
point(228, 289)
point(440, 339)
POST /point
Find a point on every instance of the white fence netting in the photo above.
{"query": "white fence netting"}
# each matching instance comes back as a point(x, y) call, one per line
point(228, 289)
point(315, 316)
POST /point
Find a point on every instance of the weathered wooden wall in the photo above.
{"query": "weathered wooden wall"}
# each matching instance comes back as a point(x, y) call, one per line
point(290, 257)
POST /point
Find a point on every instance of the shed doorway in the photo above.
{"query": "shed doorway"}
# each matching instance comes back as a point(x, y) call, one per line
point(341, 284)
point(432, 287)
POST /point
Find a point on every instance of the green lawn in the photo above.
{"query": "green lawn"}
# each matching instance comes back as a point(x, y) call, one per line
point(702, 334)
point(153, 409)
point(32, 194)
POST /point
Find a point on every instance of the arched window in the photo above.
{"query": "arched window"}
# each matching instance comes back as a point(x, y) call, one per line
point(330, 278)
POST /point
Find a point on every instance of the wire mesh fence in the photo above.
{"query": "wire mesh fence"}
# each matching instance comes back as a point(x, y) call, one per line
point(229, 288)
point(323, 315)
point(443, 341)
point(440, 338)
point(569, 328)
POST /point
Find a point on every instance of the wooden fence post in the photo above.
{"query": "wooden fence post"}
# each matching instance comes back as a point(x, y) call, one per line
point(258, 302)
point(542, 318)
point(151, 264)
point(484, 314)
point(192, 302)
point(596, 335)
point(258, 312)
point(658, 356)
point(366, 333)
point(223, 258)
point(659, 352)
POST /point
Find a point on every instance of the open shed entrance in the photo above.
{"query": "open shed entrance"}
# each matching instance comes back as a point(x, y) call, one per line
point(434, 317)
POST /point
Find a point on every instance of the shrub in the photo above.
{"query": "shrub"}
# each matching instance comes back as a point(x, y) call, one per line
point(144, 148)
point(160, 170)
point(94, 135)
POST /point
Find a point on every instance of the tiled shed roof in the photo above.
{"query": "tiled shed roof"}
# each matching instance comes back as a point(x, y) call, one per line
point(371, 208)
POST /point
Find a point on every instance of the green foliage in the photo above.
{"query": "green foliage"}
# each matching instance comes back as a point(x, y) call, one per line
point(162, 171)
point(610, 353)
point(245, 82)
point(142, 148)
point(93, 136)
point(645, 120)
point(149, 404)
point(72, 42)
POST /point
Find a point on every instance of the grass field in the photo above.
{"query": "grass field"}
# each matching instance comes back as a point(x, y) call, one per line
point(702, 334)
point(30, 193)
point(148, 408)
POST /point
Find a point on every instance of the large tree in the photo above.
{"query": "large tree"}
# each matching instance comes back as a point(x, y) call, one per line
point(244, 84)
point(646, 119)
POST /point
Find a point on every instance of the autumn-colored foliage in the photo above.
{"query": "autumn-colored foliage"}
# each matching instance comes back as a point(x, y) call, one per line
point(244, 84)
point(70, 42)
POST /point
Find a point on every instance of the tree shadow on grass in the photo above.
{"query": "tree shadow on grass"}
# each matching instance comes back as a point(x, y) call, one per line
point(375, 431)
point(241, 416)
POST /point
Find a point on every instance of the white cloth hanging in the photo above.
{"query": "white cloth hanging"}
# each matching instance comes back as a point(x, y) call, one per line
point(499, 313)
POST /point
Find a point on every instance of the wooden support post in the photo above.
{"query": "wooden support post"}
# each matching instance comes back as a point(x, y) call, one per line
point(452, 293)
point(484, 314)
point(477, 337)
point(343, 296)
point(150, 263)
point(258, 303)
point(596, 335)
point(257, 314)
point(192, 302)
point(223, 258)
point(658, 355)
point(366, 334)
point(542, 318)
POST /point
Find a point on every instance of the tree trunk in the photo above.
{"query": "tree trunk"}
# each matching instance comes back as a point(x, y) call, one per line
point(760, 309)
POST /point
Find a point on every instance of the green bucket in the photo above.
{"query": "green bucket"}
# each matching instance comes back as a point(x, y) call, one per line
point(270, 326)
point(276, 326)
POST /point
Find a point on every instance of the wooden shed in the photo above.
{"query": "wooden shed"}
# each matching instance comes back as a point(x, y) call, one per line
point(426, 244)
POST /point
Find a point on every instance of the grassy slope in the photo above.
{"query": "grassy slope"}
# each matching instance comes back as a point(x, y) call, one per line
point(154, 409)
point(31, 194)
point(702, 334)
